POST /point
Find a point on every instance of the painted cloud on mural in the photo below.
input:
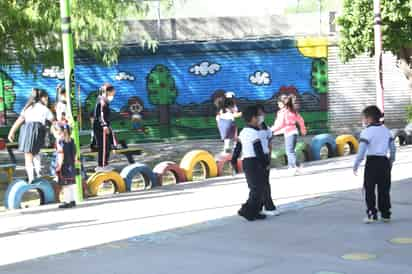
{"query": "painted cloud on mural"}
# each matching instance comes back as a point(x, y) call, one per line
point(53, 72)
point(260, 78)
point(205, 68)
point(124, 76)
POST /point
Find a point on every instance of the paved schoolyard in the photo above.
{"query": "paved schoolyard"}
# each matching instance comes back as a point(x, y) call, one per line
point(192, 228)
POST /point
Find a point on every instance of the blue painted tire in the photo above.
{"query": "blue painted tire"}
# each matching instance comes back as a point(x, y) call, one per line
point(323, 140)
point(10, 192)
point(15, 194)
point(132, 170)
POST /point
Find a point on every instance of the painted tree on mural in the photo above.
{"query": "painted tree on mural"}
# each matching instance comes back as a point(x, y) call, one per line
point(162, 91)
point(7, 95)
point(357, 36)
point(320, 75)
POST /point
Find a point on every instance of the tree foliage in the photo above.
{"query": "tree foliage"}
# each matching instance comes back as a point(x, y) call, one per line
point(161, 86)
point(30, 30)
point(357, 33)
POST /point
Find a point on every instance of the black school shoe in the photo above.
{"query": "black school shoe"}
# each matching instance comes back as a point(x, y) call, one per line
point(68, 205)
point(371, 218)
point(249, 217)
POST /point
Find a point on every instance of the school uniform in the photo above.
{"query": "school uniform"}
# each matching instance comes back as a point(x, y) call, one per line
point(376, 141)
point(265, 136)
point(67, 173)
point(61, 107)
point(101, 120)
point(226, 125)
point(33, 132)
point(255, 164)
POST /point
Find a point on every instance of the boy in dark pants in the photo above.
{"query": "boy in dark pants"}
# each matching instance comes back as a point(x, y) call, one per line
point(376, 141)
point(255, 164)
point(265, 136)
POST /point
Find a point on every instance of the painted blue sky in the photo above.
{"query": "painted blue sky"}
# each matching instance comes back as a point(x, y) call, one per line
point(284, 66)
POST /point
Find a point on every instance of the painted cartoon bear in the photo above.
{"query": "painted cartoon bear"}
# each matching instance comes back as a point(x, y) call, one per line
point(134, 111)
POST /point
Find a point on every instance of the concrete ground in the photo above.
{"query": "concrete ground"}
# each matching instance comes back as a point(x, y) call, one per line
point(193, 228)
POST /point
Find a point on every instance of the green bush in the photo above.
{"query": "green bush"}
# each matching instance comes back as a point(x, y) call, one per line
point(409, 114)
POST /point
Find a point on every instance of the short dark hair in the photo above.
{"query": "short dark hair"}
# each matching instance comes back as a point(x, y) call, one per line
point(249, 113)
point(372, 112)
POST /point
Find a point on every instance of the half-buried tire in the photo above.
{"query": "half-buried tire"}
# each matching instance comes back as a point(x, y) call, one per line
point(198, 157)
point(14, 194)
point(131, 171)
point(346, 145)
point(302, 151)
point(400, 137)
point(323, 142)
point(161, 170)
point(96, 180)
point(223, 162)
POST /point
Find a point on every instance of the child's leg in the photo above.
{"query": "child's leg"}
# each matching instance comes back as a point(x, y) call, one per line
point(267, 193)
point(28, 158)
point(226, 145)
point(98, 135)
point(255, 179)
point(384, 186)
point(37, 164)
point(369, 186)
point(290, 143)
point(69, 193)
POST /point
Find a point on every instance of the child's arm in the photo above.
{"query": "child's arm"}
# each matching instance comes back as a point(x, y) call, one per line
point(14, 128)
point(301, 124)
point(260, 155)
point(235, 155)
point(363, 147)
point(279, 123)
point(60, 157)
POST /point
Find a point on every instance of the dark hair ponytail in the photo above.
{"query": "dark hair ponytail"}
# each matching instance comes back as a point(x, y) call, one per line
point(36, 95)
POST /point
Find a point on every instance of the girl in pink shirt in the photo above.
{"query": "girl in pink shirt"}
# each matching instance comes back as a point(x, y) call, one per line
point(286, 120)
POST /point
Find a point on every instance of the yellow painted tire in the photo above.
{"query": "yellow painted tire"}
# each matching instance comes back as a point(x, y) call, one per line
point(192, 158)
point(342, 140)
point(97, 179)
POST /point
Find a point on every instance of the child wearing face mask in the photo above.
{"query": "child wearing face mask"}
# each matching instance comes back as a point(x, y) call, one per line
point(286, 120)
point(101, 127)
point(265, 136)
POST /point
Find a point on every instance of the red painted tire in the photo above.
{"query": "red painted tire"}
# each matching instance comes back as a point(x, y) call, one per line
point(160, 169)
point(221, 160)
point(2, 144)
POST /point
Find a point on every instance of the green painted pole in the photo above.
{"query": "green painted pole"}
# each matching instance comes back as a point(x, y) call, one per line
point(72, 107)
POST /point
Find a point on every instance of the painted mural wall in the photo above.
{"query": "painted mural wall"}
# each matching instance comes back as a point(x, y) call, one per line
point(169, 94)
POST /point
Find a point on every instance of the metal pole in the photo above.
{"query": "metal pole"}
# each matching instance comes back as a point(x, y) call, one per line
point(378, 55)
point(72, 108)
point(320, 17)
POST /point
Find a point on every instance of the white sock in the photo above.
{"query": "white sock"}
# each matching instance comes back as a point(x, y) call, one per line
point(69, 193)
point(37, 164)
point(30, 173)
point(226, 145)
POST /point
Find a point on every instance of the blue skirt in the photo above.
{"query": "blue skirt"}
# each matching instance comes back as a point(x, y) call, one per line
point(227, 128)
point(31, 137)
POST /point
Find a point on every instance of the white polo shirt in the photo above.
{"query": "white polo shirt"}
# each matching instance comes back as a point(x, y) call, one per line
point(248, 136)
point(37, 113)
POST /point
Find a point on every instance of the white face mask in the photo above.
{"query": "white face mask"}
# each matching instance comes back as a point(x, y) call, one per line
point(110, 98)
point(261, 119)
